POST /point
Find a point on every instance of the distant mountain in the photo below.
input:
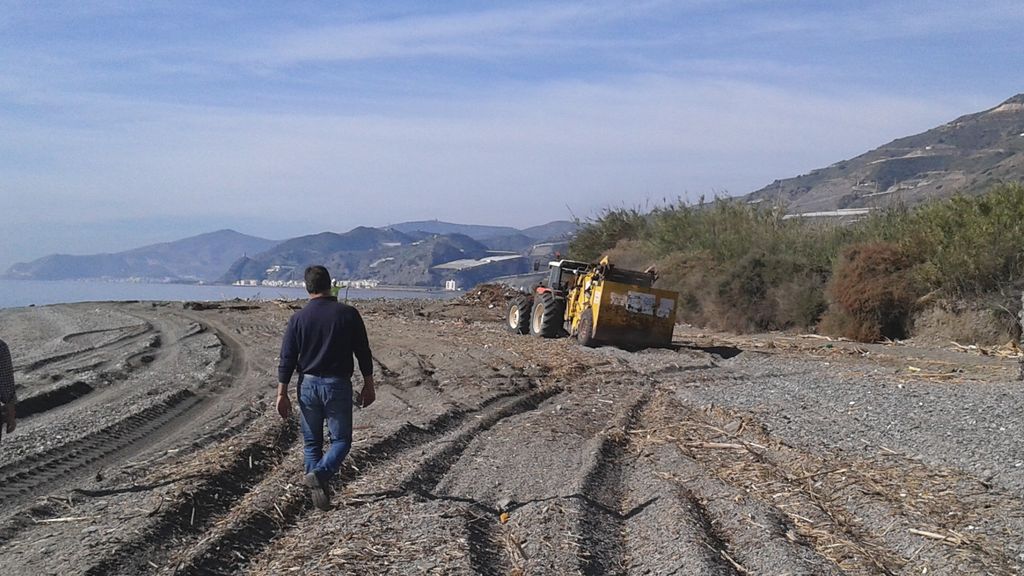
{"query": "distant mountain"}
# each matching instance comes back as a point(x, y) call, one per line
point(552, 231)
point(516, 242)
point(316, 246)
point(475, 231)
point(198, 258)
point(967, 155)
point(385, 255)
point(557, 230)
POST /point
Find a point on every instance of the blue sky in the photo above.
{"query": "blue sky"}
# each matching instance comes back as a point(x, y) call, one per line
point(123, 124)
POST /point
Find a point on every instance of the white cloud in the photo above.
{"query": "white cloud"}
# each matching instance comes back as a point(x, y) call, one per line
point(874, 21)
point(579, 144)
point(482, 34)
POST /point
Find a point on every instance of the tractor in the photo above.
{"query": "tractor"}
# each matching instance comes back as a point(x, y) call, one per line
point(597, 304)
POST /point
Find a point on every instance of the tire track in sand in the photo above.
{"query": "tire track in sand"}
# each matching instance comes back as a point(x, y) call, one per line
point(56, 467)
point(483, 540)
point(186, 520)
point(262, 518)
point(601, 521)
point(126, 336)
point(53, 468)
point(59, 467)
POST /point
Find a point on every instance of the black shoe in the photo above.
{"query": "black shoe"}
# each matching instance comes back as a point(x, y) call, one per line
point(318, 491)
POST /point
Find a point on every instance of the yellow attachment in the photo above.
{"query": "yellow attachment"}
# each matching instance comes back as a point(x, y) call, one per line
point(624, 314)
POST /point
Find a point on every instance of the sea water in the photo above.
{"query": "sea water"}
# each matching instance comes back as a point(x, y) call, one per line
point(18, 293)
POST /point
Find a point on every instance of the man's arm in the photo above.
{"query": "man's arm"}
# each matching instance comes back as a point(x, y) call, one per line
point(288, 359)
point(361, 349)
point(8, 395)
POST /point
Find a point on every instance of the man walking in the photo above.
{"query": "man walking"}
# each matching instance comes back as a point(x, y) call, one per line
point(8, 399)
point(319, 343)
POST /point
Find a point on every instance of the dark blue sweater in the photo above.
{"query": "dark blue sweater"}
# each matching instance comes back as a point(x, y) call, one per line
point(322, 338)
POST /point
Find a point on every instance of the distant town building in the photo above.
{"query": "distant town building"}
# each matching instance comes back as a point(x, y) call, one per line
point(471, 271)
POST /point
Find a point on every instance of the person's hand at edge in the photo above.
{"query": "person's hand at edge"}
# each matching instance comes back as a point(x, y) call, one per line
point(10, 419)
point(284, 404)
point(368, 394)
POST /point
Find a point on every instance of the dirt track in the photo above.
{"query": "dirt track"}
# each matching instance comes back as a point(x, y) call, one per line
point(149, 446)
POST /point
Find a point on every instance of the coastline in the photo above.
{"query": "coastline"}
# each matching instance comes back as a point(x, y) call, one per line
point(25, 293)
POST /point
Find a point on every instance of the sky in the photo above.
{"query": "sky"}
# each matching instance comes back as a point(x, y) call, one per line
point(128, 123)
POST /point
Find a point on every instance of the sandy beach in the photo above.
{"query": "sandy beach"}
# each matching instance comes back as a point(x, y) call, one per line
point(147, 444)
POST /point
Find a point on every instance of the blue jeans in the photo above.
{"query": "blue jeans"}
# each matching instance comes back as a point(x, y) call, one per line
point(325, 400)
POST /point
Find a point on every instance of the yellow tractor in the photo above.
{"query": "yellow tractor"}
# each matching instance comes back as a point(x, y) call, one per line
point(598, 304)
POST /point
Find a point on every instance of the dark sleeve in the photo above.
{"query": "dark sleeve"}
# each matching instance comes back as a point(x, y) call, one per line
point(361, 344)
point(289, 357)
point(6, 375)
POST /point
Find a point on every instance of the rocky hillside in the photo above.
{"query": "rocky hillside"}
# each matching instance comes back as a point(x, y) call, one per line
point(495, 237)
point(198, 258)
point(385, 255)
point(967, 155)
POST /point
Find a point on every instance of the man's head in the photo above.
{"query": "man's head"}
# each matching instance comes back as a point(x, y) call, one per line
point(318, 280)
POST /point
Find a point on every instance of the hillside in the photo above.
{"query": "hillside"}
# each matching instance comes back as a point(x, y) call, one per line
point(475, 231)
point(967, 155)
point(197, 258)
point(387, 256)
point(494, 237)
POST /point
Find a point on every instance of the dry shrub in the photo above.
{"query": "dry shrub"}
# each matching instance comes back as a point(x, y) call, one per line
point(873, 293)
point(759, 292)
point(688, 273)
point(764, 291)
point(631, 255)
point(743, 292)
point(800, 302)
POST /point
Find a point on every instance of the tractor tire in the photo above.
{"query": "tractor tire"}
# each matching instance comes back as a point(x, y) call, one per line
point(546, 319)
point(518, 317)
point(585, 329)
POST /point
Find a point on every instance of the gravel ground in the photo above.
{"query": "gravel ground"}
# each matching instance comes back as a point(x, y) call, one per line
point(974, 427)
point(150, 447)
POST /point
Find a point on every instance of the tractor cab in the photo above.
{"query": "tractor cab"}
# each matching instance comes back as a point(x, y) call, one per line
point(562, 276)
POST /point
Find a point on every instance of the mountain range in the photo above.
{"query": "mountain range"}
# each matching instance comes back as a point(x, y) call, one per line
point(403, 254)
point(384, 255)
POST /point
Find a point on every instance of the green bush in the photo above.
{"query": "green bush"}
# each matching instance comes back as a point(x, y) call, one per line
point(597, 236)
point(973, 245)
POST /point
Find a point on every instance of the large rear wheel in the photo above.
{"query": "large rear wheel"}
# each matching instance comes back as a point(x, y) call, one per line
point(519, 315)
point(546, 320)
point(585, 330)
